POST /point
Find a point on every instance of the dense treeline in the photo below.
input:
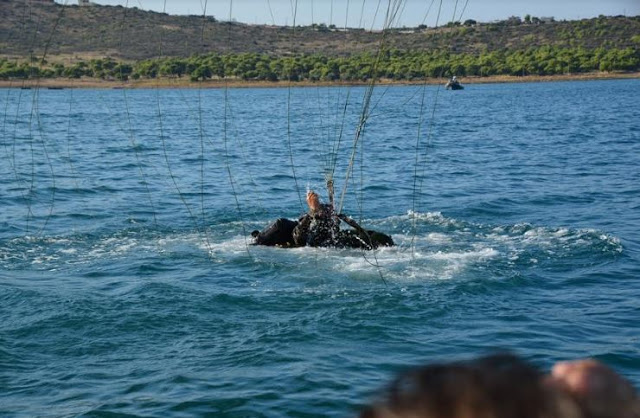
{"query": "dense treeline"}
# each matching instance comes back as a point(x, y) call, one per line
point(393, 64)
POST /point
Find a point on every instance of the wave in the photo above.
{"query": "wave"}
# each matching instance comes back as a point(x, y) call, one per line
point(429, 246)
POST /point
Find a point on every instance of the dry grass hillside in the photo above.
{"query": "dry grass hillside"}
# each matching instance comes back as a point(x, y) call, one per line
point(28, 28)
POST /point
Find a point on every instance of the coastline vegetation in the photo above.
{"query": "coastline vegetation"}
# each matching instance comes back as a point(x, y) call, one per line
point(70, 45)
point(392, 64)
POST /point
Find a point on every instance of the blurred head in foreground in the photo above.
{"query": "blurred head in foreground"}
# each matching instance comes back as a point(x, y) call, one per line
point(503, 386)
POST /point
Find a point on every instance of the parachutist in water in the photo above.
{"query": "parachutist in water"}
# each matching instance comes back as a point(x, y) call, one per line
point(320, 227)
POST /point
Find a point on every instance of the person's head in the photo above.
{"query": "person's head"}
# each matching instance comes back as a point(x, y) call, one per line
point(313, 200)
point(598, 390)
point(503, 386)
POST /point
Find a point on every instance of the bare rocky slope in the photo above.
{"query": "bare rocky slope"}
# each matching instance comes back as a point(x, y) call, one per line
point(29, 28)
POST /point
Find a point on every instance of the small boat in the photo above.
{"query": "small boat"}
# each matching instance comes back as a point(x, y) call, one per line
point(454, 84)
point(55, 88)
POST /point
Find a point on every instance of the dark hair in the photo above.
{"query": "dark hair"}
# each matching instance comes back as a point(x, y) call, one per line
point(496, 386)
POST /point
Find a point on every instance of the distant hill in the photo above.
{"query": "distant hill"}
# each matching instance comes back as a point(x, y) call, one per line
point(28, 27)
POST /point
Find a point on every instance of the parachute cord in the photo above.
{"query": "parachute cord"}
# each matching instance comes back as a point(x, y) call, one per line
point(392, 11)
point(463, 10)
point(415, 172)
point(229, 173)
point(163, 137)
point(289, 87)
point(336, 145)
point(13, 156)
point(75, 172)
point(358, 133)
point(336, 148)
point(201, 135)
point(455, 9)
point(10, 156)
point(35, 108)
point(273, 20)
point(428, 10)
point(130, 126)
point(225, 144)
point(414, 202)
point(134, 145)
point(53, 176)
point(375, 15)
point(362, 13)
point(418, 178)
point(33, 174)
point(257, 196)
point(418, 189)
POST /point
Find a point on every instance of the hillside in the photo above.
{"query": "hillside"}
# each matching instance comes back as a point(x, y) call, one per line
point(72, 32)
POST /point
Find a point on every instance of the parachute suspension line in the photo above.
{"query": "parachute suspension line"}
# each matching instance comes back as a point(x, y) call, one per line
point(204, 20)
point(414, 202)
point(375, 263)
point(293, 167)
point(225, 122)
point(228, 168)
point(163, 136)
point(134, 145)
point(50, 164)
point(429, 137)
point(336, 148)
point(392, 10)
point(69, 160)
point(362, 13)
point(417, 177)
point(273, 20)
point(455, 9)
point(167, 162)
point(4, 127)
point(130, 126)
point(333, 157)
point(331, 13)
point(33, 174)
point(428, 10)
point(36, 108)
point(322, 128)
point(11, 156)
point(375, 15)
point(201, 136)
point(346, 16)
point(463, 10)
point(257, 198)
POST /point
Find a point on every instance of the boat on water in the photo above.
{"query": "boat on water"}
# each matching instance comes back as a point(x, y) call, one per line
point(454, 84)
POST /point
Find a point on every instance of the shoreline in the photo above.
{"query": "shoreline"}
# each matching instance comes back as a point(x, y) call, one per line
point(185, 83)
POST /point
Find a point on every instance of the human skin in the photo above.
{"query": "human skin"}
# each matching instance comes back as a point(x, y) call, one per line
point(598, 390)
point(313, 201)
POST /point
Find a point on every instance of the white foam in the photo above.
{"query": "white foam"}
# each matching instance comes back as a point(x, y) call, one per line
point(443, 248)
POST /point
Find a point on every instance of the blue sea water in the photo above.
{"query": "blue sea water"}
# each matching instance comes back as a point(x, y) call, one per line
point(128, 285)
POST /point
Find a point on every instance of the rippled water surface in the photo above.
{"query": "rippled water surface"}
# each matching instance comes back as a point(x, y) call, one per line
point(127, 284)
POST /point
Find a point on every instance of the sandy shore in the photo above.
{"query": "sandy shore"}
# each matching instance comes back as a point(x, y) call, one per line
point(90, 83)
